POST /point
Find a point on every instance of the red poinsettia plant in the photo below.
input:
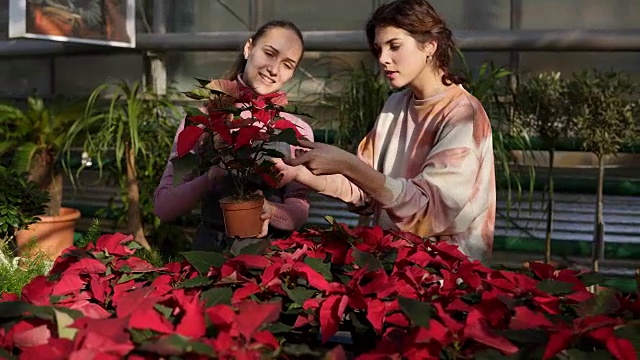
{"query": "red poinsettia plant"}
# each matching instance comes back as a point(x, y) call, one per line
point(236, 130)
point(398, 297)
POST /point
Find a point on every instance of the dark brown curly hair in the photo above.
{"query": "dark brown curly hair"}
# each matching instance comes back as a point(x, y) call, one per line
point(420, 19)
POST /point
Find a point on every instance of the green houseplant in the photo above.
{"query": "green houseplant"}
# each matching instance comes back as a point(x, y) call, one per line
point(21, 201)
point(492, 86)
point(358, 104)
point(608, 113)
point(121, 134)
point(37, 134)
point(543, 105)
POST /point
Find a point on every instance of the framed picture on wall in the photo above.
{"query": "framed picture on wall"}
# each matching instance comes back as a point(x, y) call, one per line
point(99, 22)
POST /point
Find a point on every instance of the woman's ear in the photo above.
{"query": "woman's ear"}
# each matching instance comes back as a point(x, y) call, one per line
point(430, 47)
point(247, 48)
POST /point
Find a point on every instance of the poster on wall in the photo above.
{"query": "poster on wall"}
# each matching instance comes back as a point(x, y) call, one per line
point(99, 22)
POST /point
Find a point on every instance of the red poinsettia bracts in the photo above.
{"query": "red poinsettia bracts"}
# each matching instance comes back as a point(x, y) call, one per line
point(400, 297)
point(235, 130)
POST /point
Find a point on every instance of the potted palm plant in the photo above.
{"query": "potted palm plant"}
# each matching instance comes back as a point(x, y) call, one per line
point(121, 132)
point(36, 136)
point(240, 132)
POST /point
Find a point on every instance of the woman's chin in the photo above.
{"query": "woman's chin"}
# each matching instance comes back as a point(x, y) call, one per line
point(397, 84)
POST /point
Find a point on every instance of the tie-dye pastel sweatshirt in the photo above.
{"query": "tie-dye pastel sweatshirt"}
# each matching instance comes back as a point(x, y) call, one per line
point(437, 155)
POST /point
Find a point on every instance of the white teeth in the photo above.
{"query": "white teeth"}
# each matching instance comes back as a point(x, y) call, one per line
point(267, 79)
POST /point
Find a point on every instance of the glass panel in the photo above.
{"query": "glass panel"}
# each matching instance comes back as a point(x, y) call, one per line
point(24, 77)
point(569, 62)
point(312, 15)
point(4, 19)
point(580, 14)
point(81, 74)
point(473, 14)
point(207, 15)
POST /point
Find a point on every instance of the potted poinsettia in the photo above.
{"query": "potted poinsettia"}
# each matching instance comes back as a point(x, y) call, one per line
point(240, 132)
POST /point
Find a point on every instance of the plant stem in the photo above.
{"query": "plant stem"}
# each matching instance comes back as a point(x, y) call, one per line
point(547, 242)
point(133, 198)
point(598, 234)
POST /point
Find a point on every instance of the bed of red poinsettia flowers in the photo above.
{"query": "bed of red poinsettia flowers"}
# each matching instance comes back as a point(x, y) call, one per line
point(398, 296)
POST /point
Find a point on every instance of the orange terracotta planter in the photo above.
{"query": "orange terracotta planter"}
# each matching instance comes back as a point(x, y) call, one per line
point(52, 233)
point(242, 219)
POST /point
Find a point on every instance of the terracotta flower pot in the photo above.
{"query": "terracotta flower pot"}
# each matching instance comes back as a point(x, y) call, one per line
point(52, 233)
point(242, 218)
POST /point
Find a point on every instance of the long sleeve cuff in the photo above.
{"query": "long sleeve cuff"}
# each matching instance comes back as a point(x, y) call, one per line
point(389, 194)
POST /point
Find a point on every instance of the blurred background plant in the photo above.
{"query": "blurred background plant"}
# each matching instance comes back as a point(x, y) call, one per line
point(543, 107)
point(608, 116)
point(21, 201)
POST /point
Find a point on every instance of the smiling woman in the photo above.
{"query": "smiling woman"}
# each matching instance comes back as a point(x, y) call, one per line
point(270, 57)
point(267, 62)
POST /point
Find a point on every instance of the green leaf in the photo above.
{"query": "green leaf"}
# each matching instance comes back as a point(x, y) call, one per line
point(192, 110)
point(630, 332)
point(6, 355)
point(253, 247)
point(183, 167)
point(417, 311)
point(389, 260)
point(299, 294)
point(278, 328)
point(129, 276)
point(494, 355)
point(554, 287)
point(142, 335)
point(293, 109)
point(217, 296)
point(23, 156)
point(203, 260)
point(286, 136)
point(366, 261)
point(592, 278)
point(575, 354)
point(473, 298)
point(164, 310)
point(57, 298)
point(177, 345)
point(300, 350)
point(134, 245)
point(202, 82)
point(12, 309)
point(529, 336)
point(198, 94)
point(195, 282)
point(360, 323)
point(63, 321)
point(602, 303)
point(320, 266)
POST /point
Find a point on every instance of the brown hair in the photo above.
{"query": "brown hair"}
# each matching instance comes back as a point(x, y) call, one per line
point(419, 19)
point(241, 62)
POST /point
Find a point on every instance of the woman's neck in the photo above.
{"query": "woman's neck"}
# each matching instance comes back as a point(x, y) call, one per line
point(428, 83)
